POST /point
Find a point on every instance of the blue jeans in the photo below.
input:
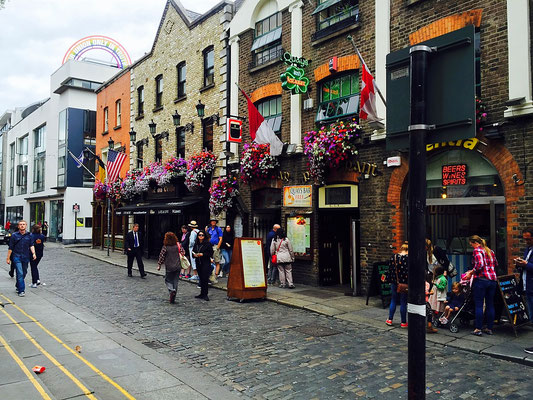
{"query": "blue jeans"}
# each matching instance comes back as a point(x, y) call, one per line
point(226, 256)
point(402, 297)
point(484, 289)
point(529, 299)
point(21, 267)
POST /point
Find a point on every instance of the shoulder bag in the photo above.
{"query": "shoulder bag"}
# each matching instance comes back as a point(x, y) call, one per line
point(275, 256)
point(185, 264)
point(402, 287)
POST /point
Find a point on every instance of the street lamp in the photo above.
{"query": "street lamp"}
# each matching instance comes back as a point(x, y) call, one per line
point(152, 125)
point(133, 135)
point(200, 109)
point(176, 118)
point(111, 144)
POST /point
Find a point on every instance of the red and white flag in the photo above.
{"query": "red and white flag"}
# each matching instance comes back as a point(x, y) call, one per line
point(115, 159)
point(260, 131)
point(367, 109)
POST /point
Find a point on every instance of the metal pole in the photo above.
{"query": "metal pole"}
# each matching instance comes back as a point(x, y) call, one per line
point(417, 224)
point(108, 223)
point(75, 226)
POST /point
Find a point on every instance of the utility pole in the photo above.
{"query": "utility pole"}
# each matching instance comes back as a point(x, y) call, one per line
point(416, 377)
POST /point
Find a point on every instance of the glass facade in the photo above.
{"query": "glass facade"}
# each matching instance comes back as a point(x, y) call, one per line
point(39, 158)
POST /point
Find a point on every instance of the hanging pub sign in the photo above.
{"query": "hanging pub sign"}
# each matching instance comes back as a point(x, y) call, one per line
point(453, 175)
point(294, 78)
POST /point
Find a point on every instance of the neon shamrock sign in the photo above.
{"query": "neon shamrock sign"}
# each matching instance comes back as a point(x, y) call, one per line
point(294, 78)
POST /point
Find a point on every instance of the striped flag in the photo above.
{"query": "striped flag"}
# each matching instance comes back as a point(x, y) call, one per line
point(115, 160)
point(367, 109)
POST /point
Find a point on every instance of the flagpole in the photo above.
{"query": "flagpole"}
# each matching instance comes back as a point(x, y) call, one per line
point(350, 38)
point(75, 158)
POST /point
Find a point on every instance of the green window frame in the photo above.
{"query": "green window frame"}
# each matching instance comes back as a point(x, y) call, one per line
point(339, 97)
point(270, 109)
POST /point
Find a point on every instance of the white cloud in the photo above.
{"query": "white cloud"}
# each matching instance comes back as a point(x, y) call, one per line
point(35, 35)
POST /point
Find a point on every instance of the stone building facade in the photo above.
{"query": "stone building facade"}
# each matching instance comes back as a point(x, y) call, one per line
point(496, 202)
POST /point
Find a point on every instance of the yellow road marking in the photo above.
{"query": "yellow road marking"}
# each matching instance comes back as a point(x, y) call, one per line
point(86, 362)
point(25, 370)
point(85, 391)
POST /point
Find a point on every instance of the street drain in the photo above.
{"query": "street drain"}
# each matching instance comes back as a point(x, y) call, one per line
point(316, 330)
point(154, 345)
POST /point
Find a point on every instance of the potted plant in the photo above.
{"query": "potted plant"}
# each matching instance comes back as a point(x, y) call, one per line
point(114, 191)
point(199, 168)
point(330, 146)
point(257, 165)
point(222, 192)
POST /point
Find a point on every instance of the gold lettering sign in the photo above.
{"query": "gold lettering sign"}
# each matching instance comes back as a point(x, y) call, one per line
point(469, 144)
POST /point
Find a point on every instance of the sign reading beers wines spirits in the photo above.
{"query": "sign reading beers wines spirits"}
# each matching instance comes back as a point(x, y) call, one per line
point(453, 175)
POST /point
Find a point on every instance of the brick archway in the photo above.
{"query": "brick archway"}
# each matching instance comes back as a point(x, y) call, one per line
point(504, 163)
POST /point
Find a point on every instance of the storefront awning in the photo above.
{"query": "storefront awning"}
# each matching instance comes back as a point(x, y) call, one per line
point(325, 5)
point(267, 38)
point(171, 207)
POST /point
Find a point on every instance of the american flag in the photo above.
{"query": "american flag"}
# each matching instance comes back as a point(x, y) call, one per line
point(115, 160)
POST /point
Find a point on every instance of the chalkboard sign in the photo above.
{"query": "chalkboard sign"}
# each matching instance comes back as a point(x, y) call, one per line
point(513, 302)
point(379, 284)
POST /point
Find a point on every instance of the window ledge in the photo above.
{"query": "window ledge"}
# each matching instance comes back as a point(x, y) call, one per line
point(117, 127)
point(207, 87)
point(178, 99)
point(411, 2)
point(265, 65)
point(333, 35)
point(105, 133)
point(138, 117)
point(519, 110)
point(158, 108)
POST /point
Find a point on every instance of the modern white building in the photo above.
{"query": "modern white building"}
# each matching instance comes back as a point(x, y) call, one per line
point(43, 182)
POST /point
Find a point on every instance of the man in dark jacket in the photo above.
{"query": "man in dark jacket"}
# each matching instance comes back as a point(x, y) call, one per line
point(21, 247)
point(272, 275)
point(134, 249)
point(525, 266)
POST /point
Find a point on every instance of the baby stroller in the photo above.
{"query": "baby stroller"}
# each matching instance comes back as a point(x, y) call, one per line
point(466, 312)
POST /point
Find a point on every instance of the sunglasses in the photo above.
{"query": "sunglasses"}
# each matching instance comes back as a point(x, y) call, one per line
point(201, 235)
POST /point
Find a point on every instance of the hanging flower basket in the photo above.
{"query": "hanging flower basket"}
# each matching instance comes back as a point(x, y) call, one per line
point(222, 192)
point(129, 189)
point(199, 168)
point(481, 114)
point(100, 190)
point(175, 168)
point(158, 175)
point(330, 146)
point(114, 191)
point(257, 165)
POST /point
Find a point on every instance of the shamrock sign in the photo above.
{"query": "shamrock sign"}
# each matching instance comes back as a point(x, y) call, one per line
point(294, 79)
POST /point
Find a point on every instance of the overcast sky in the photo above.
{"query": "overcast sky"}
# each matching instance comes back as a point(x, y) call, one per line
point(36, 34)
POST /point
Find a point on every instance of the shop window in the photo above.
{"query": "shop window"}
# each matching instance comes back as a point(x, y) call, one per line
point(106, 119)
point(180, 142)
point(140, 101)
point(36, 213)
point(39, 158)
point(159, 91)
point(207, 128)
point(267, 40)
point(118, 113)
point(209, 66)
point(14, 215)
point(182, 75)
point(335, 15)
point(339, 98)
point(11, 168)
point(62, 148)
point(270, 109)
point(22, 167)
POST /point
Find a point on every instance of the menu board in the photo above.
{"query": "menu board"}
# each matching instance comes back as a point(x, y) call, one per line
point(299, 233)
point(252, 263)
point(514, 303)
point(298, 196)
point(379, 284)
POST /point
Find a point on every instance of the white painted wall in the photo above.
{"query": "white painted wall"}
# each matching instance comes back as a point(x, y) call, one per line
point(83, 197)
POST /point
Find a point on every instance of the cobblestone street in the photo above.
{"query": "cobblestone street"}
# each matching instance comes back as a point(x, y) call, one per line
point(265, 350)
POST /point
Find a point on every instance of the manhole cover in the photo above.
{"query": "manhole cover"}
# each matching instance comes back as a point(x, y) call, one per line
point(319, 294)
point(316, 330)
point(154, 345)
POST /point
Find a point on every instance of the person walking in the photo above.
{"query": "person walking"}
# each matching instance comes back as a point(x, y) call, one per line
point(184, 242)
point(398, 273)
point(215, 233)
point(45, 230)
point(281, 246)
point(21, 247)
point(203, 253)
point(170, 256)
point(134, 246)
point(484, 285)
point(272, 274)
point(525, 267)
point(193, 225)
point(38, 243)
point(228, 237)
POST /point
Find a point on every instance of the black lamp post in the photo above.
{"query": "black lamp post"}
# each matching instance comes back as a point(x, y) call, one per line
point(176, 118)
point(200, 108)
point(152, 125)
point(111, 144)
point(133, 135)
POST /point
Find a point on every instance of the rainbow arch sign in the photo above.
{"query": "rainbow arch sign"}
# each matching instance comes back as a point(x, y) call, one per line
point(98, 42)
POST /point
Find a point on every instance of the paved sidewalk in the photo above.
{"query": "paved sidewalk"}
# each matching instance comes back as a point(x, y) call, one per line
point(503, 344)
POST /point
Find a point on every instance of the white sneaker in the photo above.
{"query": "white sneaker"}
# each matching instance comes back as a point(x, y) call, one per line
point(33, 285)
point(22, 294)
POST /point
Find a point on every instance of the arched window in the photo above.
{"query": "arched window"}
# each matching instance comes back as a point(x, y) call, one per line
point(339, 98)
point(270, 109)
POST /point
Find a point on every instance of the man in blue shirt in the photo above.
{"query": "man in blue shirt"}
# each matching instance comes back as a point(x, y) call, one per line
point(216, 240)
point(20, 246)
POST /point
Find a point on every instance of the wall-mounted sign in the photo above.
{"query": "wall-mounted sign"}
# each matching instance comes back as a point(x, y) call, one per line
point(333, 64)
point(469, 144)
point(298, 196)
point(454, 174)
point(394, 161)
point(76, 208)
point(294, 78)
point(234, 130)
point(338, 196)
point(299, 233)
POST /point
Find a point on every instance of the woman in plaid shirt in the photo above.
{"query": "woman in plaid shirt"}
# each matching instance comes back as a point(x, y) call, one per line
point(484, 286)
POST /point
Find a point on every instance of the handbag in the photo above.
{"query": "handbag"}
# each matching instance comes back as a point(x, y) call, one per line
point(274, 258)
point(402, 287)
point(185, 264)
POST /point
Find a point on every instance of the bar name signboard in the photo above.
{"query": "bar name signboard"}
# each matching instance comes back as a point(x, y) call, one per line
point(454, 174)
